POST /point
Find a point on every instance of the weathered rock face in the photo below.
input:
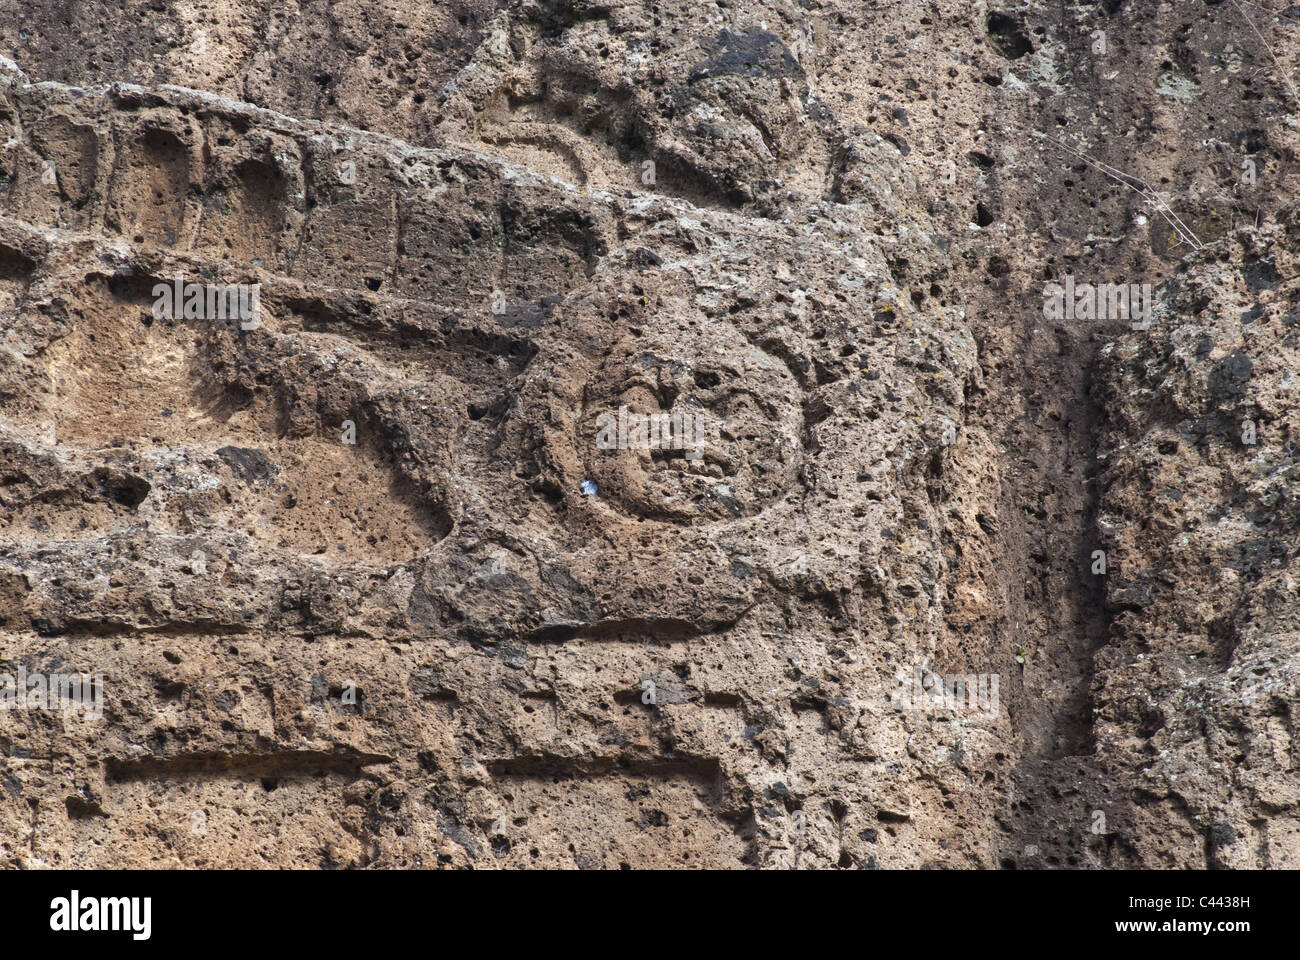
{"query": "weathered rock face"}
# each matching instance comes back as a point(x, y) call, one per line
point(1198, 688)
point(582, 416)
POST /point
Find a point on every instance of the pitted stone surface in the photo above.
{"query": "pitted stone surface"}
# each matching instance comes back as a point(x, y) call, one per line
point(363, 585)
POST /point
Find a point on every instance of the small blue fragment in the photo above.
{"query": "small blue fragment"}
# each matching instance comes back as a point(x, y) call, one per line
point(588, 487)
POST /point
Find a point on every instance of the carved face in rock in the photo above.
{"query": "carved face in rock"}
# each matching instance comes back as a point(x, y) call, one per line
point(718, 117)
point(739, 408)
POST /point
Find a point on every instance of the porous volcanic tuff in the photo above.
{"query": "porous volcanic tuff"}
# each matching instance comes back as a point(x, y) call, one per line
point(363, 583)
